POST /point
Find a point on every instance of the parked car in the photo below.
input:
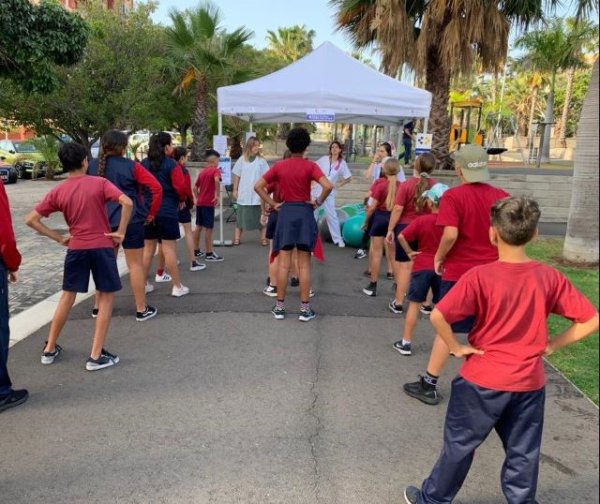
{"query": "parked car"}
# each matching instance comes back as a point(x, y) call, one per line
point(25, 158)
point(8, 174)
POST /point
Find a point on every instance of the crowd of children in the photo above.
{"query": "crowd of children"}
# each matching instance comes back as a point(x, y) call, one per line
point(449, 263)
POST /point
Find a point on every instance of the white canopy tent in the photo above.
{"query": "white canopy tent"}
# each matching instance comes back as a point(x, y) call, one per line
point(328, 81)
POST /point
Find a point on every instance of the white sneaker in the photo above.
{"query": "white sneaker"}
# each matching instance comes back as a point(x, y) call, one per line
point(165, 277)
point(148, 288)
point(182, 290)
point(196, 266)
point(341, 245)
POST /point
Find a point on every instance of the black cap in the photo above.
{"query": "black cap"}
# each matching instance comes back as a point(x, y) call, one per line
point(212, 152)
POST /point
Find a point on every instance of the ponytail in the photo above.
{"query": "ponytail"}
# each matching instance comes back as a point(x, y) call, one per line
point(424, 165)
point(391, 168)
point(156, 149)
point(113, 143)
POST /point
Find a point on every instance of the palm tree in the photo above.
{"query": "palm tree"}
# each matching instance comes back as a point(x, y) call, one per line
point(290, 43)
point(581, 241)
point(553, 49)
point(437, 39)
point(206, 56)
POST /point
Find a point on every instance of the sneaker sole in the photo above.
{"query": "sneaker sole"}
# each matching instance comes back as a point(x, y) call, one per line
point(162, 281)
point(214, 260)
point(97, 367)
point(46, 361)
point(197, 269)
point(426, 313)
point(402, 352)
point(271, 295)
point(395, 311)
point(406, 499)
point(94, 316)
point(424, 400)
point(147, 318)
point(369, 293)
point(279, 317)
point(179, 295)
point(306, 319)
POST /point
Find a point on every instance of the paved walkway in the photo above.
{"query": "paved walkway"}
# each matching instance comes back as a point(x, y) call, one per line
point(215, 402)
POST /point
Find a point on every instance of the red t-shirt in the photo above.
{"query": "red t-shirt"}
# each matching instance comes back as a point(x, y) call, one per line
point(511, 304)
point(207, 186)
point(429, 235)
point(468, 208)
point(294, 176)
point(82, 201)
point(406, 199)
point(379, 192)
point(8, 245)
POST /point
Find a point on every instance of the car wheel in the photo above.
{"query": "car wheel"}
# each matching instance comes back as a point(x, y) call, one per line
point(20, 171)
point(13, 179)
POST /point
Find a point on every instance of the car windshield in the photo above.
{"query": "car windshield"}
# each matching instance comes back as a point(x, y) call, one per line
point(25, 148)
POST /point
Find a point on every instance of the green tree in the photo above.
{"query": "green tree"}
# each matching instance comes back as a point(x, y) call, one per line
point(35, 39)
point(438, 39)
point(553, 49)
point(48, 146)
point(205, 53)
point(290, 43)
point(113, 86)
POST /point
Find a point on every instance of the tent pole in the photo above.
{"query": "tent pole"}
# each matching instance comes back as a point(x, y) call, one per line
point(221, 230)
point(425, 124)
point(220, 122)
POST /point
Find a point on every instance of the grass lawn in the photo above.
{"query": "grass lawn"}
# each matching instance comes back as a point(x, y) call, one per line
point(578, 362)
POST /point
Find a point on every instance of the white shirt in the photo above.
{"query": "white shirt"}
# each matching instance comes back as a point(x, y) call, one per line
point(333, 171)
point(376, 174)
point(249, 174)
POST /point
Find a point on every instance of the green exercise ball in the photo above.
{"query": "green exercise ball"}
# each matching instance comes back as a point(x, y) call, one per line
point(353, 209)
point(352, 232)
point(324, 228)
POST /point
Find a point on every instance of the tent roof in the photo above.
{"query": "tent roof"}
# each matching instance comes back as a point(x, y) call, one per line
point(326, 80)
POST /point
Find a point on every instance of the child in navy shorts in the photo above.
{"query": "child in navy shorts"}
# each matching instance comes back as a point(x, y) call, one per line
point(424, 231)
point(501, 385)
point(184, 214)
point(82, 199)
point(206, 190)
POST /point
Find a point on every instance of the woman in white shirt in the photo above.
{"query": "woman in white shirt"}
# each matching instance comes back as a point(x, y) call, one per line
point(247, 171)
point(383, 152)
point(338, 173)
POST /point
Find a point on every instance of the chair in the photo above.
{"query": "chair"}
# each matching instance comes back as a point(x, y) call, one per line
point(232, 204)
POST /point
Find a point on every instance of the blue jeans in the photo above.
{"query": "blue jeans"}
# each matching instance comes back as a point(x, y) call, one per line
point(407, 150)
point(5, 383)
point(473, 412)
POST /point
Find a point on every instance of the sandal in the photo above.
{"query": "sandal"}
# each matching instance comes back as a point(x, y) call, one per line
point(236, 243)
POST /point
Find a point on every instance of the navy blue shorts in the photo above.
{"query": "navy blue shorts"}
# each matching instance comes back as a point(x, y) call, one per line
point(271, 225)
point(464, 326)
point(420, 283)
point(205, 217)
point(400, 254)
point(184, 216)
point(379, 223)
point(296, 228)
point(162, 228)
point(100, 262)
point(134, 236)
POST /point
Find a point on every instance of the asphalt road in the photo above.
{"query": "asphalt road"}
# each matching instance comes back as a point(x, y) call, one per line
point(215, 402)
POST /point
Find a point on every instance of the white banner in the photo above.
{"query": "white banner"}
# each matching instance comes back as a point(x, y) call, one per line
point(225, 167)
point(220, 144)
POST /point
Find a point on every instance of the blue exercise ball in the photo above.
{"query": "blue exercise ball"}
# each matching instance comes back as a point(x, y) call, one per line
point(352, 231)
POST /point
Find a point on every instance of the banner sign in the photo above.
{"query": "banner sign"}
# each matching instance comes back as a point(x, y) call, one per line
point(225, 167)
point(220, 144)
point(424, 143)
point(320, 115)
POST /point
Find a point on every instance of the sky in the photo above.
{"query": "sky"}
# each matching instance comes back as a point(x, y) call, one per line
point(263, 15)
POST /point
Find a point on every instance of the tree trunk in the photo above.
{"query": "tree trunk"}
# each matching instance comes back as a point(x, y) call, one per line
point(494, 92)
point(438, 84)
point(530, 137)
point(200, 120)
point(562, 138)
point(581, 242)
point(549, 118)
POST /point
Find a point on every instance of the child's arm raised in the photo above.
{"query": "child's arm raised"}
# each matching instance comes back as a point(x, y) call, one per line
point(575, 333)
point(444, 329)
point(34, 221)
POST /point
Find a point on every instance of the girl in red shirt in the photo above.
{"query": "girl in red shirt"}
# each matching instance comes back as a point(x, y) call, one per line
point(296, 227)
point(383, 195)
point(407, 207)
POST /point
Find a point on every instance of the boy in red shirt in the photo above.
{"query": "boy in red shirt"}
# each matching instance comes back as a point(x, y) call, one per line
point(206, 190)
point(501, 385)
point(465, 216)
point(424, 231)
point(82, 199)
point(10, 260)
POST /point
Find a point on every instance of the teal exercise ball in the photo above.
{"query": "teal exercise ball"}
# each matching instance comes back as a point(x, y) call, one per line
point(324, 228)
point(353, 209)
point(352, 232)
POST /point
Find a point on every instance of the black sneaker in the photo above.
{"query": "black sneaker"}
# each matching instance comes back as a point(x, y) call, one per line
point(295, 282)
point(371, 289)
point(49, 357)
point(404, 349)
point(95, 313)
point(426, 309)
point(199, 254)
point(394, 308)
point(422, 391)
point(213, 257)
point(147, 314)
point(412, 495)
point(13, 399)
point(390, 276)
point(105, 360)
point(278, 313)
point(307, 315)
point(360, 254)
point(270, 291)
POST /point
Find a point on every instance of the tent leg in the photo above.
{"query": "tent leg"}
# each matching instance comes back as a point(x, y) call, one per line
point(425, 124)
point(220, 122)
point(221, 241)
